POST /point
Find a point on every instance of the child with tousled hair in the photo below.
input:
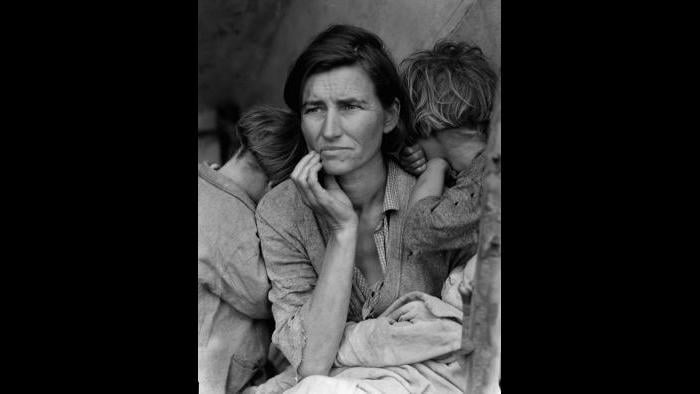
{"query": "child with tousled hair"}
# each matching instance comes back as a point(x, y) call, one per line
point(451, 90)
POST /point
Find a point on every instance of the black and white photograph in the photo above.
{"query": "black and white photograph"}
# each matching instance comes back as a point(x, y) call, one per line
point(348, 196)
point(346, 170)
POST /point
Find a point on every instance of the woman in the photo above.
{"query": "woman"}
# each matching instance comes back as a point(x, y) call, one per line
point(331, 235)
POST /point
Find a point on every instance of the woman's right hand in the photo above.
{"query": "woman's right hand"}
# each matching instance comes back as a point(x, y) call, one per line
point(330, 202)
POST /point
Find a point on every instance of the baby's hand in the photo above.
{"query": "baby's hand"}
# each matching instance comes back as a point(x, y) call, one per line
point(412, 159)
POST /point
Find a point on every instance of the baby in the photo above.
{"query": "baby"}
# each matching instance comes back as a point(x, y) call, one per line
point(451, 89)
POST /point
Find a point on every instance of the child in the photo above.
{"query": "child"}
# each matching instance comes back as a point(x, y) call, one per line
point(451, 89)
point(234, 314)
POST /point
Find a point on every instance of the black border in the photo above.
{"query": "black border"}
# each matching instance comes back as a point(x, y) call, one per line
point(102, 211)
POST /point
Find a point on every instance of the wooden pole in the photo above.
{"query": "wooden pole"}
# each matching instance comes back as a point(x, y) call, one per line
point(483, 307)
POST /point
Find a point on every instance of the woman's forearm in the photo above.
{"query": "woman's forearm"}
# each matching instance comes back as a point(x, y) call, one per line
point(324, 320)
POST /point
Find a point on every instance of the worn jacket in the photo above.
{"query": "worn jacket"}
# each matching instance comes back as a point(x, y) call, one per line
point(293, 241)
point(233, 310)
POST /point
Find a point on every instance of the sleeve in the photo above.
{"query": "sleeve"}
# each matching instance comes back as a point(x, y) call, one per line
point(292, 279)
point(450, 221)
point(247, 295)
point(231, 266)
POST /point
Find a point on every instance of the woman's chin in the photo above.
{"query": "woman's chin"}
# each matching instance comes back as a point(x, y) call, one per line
point(334, 168)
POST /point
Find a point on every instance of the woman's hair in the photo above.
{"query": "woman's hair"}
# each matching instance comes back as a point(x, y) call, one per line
point(344, 45)
point(450, 86)
point(272, 136)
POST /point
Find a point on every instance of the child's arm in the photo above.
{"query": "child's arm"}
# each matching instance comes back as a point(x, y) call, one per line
point(431, 182)
point(449, 220)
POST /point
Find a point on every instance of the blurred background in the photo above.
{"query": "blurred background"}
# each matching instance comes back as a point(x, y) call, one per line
point(245, 47)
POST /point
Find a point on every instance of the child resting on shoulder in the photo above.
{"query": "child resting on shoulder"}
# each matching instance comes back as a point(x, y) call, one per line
point(234, 314)
point(451, 89)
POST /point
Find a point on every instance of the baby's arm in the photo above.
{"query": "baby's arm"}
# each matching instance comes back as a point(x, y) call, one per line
point(431, 182)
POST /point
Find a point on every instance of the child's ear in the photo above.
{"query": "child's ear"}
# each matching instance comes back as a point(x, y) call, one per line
point(391, 118)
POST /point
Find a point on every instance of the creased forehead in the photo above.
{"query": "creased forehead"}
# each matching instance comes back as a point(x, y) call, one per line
point(342, 83)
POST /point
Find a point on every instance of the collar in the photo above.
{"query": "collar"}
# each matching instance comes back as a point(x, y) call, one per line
point(225, 184)
point(398, 187)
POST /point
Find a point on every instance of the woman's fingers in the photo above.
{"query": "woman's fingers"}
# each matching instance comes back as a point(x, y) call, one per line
point(337, 204)
point(303, 179)
point(331, 183)
point(330, 201)
point(296, 176)
point(319, 193)
point(396, 314)
point(300, 165)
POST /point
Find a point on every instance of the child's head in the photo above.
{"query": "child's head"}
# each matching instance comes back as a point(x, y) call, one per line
point(449, 87)
point(271, 138)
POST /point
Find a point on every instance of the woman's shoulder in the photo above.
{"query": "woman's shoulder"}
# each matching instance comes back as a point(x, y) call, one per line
point(282, 203)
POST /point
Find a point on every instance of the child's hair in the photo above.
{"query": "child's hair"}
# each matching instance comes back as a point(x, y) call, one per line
point(272, 135)
point(450, 86)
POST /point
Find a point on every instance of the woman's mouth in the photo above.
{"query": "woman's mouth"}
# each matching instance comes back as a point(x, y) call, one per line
point(332, 148)
point(332, 151)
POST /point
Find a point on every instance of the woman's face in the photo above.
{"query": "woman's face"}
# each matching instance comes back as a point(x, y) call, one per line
point(343, 119)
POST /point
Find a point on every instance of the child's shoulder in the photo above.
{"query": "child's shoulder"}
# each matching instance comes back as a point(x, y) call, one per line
point(283, 205)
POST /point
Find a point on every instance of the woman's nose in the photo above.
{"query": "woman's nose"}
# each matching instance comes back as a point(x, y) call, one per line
point(331, 128)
